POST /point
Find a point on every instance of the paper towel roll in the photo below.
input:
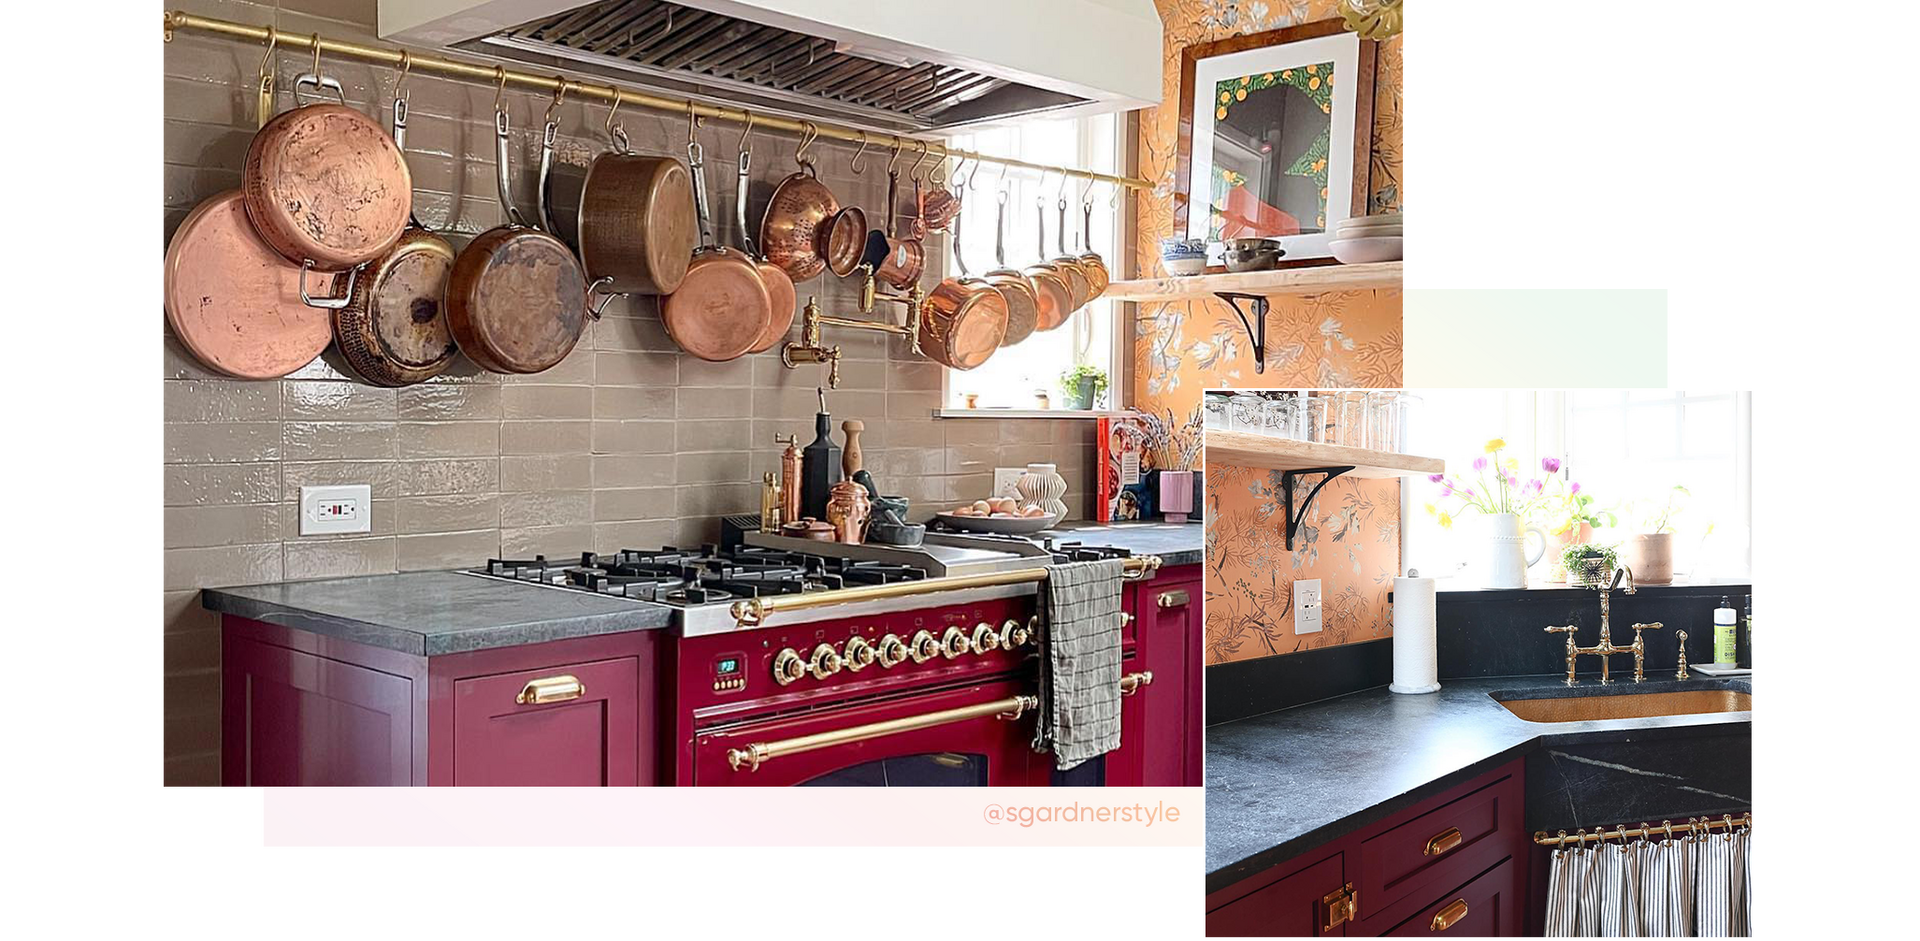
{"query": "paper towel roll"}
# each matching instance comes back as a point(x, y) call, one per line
point(1415, 669)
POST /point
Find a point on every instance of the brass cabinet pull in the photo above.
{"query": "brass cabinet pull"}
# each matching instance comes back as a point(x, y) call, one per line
point(551, 689)
point(1455, 910)
point(1132, 682)
point(1172, 599)
point(1444, 840)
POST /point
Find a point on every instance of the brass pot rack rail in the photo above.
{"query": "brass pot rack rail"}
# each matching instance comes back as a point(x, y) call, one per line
point(474, 71)
point(753, 611)
point(1666, 828)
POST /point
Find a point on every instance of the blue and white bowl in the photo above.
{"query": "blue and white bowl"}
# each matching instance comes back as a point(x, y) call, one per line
point(1183, 257)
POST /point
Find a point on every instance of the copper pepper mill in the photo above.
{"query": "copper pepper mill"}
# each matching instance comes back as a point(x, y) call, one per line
point(789, 478)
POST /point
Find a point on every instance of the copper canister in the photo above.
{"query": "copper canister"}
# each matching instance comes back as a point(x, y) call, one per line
point(848, 509)
point(789, 478)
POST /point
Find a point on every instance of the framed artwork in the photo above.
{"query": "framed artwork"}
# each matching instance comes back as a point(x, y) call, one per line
point(1275, 137)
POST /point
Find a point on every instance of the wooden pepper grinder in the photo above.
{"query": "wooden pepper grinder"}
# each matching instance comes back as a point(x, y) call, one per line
point(850, 459)
point(819, 460)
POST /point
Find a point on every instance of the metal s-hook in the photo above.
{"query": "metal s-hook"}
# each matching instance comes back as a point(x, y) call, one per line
point(808, 134)
point(913, 175)
point(1114, 199)
point(696, 155)
point(559, 98)
point(616, 133)
point(316, 54)
point(743, 146)
point(500, 94)
point(693, 120)
point(859, 162)
point(266, 76)
point(938, 176)
point(894, 157)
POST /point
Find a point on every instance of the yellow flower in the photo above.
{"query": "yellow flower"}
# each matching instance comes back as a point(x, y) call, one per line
point(1219, 114)
point(1432, 510)
point(1496, 444)
point(1240, 95)
point(1267, 77)
point(1312, 69)
point(1314, 83)
point(1244, 78)
point(1225, 97)
point(1513, 464)
point(1562, 526)
point(1446, 522)
point(1326, 108)
point(1287, 74)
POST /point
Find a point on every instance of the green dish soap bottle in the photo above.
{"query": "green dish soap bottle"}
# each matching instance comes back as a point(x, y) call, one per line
point(1724, 637)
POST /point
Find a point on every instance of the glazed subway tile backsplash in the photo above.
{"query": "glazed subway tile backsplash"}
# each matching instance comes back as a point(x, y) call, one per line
point(626, 443)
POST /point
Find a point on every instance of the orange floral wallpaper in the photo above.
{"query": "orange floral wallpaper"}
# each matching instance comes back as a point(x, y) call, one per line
point(1350, 541)
point(1347, 339)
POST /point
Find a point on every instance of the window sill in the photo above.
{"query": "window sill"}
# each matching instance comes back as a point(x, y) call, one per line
point(1058, 413)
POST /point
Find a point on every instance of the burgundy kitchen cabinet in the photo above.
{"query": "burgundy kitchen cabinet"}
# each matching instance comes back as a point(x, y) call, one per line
point(302, 708)
point(1455, 862)
point(1168, 615)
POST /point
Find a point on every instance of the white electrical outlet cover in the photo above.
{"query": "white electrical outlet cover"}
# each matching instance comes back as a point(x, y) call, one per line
point(1005, 479)
point(1306, 606)
point(326, 510)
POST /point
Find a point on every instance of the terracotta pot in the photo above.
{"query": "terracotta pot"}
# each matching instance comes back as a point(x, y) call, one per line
point(1650, 557)
point(1575, 536)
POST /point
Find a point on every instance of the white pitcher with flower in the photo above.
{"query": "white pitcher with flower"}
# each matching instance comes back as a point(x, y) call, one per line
point(1506, 502)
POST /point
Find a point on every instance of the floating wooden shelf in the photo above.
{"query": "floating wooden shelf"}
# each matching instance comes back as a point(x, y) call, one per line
point(1319, 279)
point(1240, 449)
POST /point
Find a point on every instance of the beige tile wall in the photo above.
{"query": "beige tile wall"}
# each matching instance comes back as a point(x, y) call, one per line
point(627, 443)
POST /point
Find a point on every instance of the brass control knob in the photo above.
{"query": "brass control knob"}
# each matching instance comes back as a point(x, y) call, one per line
point(955, 643)
point(859, 654)
point(787, 666)
point(892, 651)
point(985, 638)
point(924, 647)
point(1014, 634)
point(826, 662)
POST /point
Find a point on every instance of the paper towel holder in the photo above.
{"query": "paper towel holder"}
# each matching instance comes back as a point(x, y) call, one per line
point(1286, 488)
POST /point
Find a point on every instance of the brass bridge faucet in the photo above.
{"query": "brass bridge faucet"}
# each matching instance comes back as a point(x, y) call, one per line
point(812, 347)
point(1605, 648)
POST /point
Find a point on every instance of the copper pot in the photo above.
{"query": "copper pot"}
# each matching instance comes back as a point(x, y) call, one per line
point(1023, 302)
point(808, 528)
point(325, 186)
point(630, 216)
point(1090, 260)
point(234, 302)
point(905, 259)
point(722, 307)
point(1051, 288)
point(844, 240)
point(1079, 285)
point(962, 322)
point(790, 228)
point(781, 296)
point(1014, 292)
point(516, 298)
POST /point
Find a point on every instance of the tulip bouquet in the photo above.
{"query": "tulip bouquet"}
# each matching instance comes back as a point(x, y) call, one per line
point(1495, 487)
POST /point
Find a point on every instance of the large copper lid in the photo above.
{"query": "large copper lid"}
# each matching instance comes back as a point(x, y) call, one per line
point(325, 182)
point(234, 302)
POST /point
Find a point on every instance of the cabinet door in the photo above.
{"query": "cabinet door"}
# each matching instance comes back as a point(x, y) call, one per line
point(292, 718)
point(503, 734)
point(1169, 621)
point(1288, 907)
point(1488, 907)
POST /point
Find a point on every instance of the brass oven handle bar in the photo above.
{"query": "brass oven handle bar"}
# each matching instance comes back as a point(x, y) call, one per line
point(751, 757)
point(427, 63)
point(1010, 709)
point(551, 689)
point(750, 612)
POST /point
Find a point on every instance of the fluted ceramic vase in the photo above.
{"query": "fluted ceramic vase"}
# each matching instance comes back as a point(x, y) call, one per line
point(1507, 560)
point(1043, 485)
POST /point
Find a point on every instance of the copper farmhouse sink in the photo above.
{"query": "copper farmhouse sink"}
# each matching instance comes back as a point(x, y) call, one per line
point(1629, 705)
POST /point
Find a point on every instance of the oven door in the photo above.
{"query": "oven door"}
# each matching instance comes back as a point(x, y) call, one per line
point(963, 737)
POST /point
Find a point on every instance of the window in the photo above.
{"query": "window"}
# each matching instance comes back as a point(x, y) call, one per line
point(1013, 376)
point(1626, 448)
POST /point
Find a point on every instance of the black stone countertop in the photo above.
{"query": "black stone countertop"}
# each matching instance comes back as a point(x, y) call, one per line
point(433, 613)
point(1285, 782)
point(1174, 543)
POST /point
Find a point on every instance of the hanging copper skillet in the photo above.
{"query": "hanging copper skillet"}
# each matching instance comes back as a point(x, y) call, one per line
point(325, 186)
point(631, 214)
point(394, 331)
point(1090, 260)
point(235, 302)
point(963, 320)
point(1050, 288)
point(517, 298)
point(722, 307)
point(1068, 264)
point(790, 228)
point(1023, 304)
point(781, 296)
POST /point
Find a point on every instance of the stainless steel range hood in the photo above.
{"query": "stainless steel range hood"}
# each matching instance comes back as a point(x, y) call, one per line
point(907, 65)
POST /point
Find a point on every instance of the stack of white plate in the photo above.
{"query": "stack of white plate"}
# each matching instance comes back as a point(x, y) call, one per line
point(1365, 239)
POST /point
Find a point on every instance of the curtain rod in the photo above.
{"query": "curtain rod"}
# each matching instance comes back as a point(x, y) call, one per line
point(473, 71)
point(1666, 828)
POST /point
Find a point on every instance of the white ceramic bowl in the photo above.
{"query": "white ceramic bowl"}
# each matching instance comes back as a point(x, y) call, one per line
point(1185, 267)
point(1003, 526)
point(1394, 228)
point(1363, 251)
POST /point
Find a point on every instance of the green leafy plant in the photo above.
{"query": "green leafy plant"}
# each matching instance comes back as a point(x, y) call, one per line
point(1071, 379)
point(1660, 519)
point(1575, 555)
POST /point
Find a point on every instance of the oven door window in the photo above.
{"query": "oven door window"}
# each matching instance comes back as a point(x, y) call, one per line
point(937, 769)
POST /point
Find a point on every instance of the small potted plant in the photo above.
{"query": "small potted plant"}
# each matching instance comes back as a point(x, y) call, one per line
point(1572, 514)
point(1588, 564)
point(1650, 554)
point(1084, 386)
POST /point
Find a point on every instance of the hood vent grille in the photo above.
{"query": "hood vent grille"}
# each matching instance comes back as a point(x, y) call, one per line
point(665, 44)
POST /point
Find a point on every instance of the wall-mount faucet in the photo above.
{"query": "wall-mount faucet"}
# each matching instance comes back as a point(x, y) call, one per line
point(1606, 648)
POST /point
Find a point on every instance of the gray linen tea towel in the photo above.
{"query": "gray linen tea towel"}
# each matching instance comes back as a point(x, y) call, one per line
point(1080, 661)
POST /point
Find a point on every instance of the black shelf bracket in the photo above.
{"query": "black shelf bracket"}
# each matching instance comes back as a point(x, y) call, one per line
point(1286, 488)
point(1256, 328)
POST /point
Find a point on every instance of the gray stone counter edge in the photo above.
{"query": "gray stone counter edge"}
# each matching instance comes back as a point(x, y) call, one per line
point(405, 640)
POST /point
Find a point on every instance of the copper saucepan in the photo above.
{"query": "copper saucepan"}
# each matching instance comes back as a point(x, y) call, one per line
point(1023, 302)
point(1012, 293)
point(781, 296)
point(1078, 284)
point(629, 215)
point(1050, 287)
point(517, 298)
point(962, 322)
point(324, 184)
point(1090, 260)
point(905, 259)
point(790, 227)
point(722, 307)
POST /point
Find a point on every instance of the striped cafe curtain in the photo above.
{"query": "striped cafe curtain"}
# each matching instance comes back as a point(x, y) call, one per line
point(1693, 886)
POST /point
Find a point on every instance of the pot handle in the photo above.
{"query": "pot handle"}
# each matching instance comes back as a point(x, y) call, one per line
point(1537, 531)
point(547, 135)
point(1000, 231)
point(595, 310)
point(323, 82)
point(500, 157)
point(1040, 226)
point(1063, 227)
point(958, 261)
point(740, 204)
point(328, 303)
point(697, 165)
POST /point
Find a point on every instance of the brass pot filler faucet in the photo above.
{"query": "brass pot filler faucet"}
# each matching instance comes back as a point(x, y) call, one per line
point(1605, 648)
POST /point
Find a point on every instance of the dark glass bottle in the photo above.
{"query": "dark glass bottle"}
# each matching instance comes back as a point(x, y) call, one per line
point(819, 464)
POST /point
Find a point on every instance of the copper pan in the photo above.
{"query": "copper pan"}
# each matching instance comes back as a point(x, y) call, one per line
point(722, 308)
point(1090, 260)
point(1050, 286)
point(1079, 285)
point(962, 322)
point(1023, 304)
point(790, 228)
point(781, 296)
point(844, 240)
point(325, 186)
point(516, 298)
point(906, 259)
point(632, 222)
point(233, 301)
point(394, 331)
point(1013, 293)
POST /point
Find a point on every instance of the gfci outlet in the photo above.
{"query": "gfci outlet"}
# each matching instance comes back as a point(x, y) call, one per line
point(1005, 479)
point(1306, 606)
point(346, 509)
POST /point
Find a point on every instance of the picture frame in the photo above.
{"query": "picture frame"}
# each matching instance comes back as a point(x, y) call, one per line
point(1275, 168)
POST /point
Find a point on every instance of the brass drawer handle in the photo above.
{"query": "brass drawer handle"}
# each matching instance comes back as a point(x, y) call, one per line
point(551, 689)
point(1445, 840)
point(1172, 599)
point(1455, 910)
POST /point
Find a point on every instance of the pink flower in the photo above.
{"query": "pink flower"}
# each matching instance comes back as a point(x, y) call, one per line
point(1550, 464)
point(1575, 488)
point(1532, 487)
point(1446, 490)
point(1436, 478)
point(1479, 464)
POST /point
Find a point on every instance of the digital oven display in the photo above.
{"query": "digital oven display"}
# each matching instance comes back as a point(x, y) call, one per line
point(729, 673)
